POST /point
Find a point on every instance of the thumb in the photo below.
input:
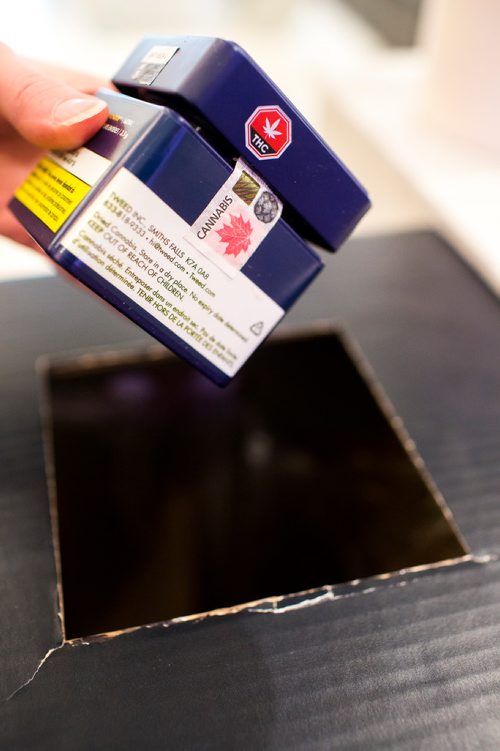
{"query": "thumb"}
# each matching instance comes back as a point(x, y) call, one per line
point(47, 113)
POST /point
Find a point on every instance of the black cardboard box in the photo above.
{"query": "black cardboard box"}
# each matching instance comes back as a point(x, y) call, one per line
point(406, 661)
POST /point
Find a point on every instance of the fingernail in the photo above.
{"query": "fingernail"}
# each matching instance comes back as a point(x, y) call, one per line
point(74, 111)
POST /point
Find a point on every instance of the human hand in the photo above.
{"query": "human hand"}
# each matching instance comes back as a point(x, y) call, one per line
point(41, 107)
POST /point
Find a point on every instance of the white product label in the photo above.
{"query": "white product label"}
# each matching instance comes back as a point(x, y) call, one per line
point(153, 63)
point(237, 219)
point(159, 54)
point(134, 240)
point(83, 163)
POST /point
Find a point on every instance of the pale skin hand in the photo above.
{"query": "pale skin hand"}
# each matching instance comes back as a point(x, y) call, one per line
point(41, 107)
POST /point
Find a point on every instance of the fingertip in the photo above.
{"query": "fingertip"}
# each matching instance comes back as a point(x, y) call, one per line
point(52, 115)
point(46, 112)
point(73, 111)
point(73, 122)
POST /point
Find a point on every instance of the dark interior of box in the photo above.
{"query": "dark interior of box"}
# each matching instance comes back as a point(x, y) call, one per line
point(177, 497)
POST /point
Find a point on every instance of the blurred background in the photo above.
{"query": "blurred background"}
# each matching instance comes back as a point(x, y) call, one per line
point(407, 92)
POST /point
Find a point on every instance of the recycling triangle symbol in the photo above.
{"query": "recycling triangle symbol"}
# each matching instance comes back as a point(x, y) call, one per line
point(257, 328)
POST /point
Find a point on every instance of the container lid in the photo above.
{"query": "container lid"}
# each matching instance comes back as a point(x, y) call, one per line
point(214, 84)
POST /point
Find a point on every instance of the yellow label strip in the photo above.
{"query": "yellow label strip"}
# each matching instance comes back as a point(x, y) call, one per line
point(51, 193)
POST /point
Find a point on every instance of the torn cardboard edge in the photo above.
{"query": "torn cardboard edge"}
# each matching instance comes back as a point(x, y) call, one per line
point(281, 604)
point(104, 357)
point(275, 605)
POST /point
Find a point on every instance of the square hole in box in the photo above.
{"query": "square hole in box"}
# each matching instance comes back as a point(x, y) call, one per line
point(176, 497)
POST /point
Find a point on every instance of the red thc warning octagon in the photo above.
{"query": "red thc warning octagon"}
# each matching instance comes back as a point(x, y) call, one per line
point(268, 132)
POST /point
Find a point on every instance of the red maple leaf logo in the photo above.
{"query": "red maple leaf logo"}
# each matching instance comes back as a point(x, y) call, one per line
point(236, 235)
